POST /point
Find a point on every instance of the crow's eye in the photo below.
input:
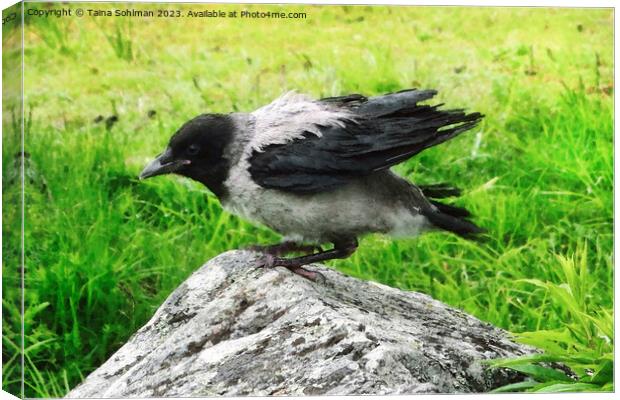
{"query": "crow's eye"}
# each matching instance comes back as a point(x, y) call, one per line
point(193, 149)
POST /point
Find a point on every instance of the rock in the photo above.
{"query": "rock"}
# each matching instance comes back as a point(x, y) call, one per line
point(233, 329)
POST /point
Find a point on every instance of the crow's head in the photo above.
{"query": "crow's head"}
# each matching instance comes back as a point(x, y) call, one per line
point(197, 152)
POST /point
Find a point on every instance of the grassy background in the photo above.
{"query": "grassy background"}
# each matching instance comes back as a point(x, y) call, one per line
point(104, 250)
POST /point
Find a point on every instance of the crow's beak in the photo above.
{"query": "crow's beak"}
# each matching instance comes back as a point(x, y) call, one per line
point(163, 164)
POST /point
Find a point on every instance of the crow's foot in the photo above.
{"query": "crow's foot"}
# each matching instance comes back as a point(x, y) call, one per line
point(308, 274)
point(269, 261)
point(342, 249)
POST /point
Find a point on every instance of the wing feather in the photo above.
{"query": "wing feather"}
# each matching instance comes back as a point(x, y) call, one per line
point(376, 134)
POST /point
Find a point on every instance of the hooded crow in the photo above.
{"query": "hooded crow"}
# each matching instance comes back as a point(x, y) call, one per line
point(318, 171)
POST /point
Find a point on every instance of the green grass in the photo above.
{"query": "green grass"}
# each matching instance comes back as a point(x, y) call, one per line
point(104, 250)
point(583, 344)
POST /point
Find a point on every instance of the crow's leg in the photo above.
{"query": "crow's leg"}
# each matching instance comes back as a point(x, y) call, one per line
point(285, 247)
point(342, 249)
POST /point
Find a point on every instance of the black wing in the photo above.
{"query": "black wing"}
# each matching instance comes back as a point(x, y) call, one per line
point(389, 129)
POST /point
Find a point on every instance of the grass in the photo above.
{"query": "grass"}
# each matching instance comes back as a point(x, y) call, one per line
point(583, 343)
point(104, 95)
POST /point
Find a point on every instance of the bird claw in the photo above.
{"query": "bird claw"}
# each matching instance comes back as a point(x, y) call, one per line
point(266, 261)
point(308, 274)
point(269, 261)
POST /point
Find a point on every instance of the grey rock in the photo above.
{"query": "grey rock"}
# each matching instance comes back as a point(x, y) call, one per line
point(233, 329)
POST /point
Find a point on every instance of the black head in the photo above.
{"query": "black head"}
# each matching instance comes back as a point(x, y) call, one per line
point(197, 151)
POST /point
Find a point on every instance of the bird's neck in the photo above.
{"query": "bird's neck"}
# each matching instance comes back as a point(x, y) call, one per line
point(214, 181)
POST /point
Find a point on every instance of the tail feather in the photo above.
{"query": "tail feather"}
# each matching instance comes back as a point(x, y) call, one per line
point(440, 191)
point(449, 209)
point(459, 226)
point(447, 216)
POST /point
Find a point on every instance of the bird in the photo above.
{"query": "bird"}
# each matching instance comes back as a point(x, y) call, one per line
point(318, 171)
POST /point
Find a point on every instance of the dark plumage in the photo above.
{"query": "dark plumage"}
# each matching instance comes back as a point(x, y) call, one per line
point(389, 130)
point(317, 171)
